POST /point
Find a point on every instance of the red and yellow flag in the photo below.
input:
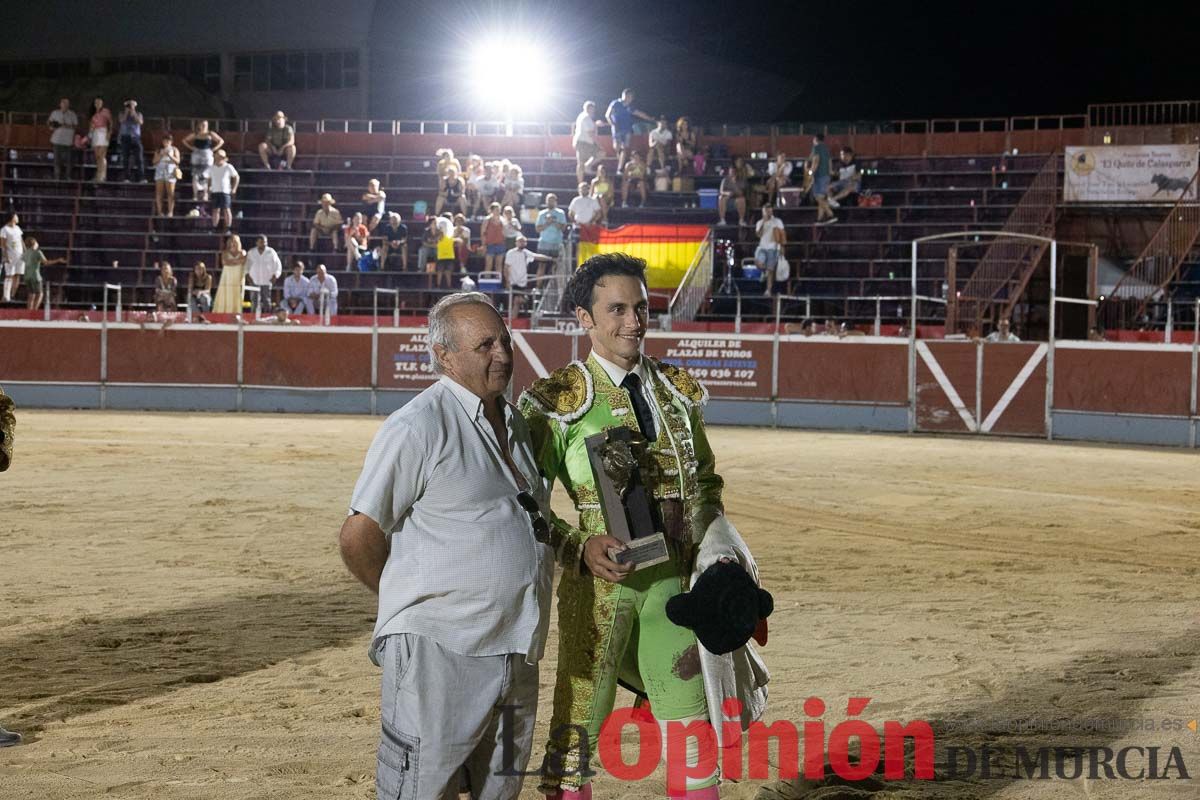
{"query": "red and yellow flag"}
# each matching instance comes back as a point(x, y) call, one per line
point(667, 249)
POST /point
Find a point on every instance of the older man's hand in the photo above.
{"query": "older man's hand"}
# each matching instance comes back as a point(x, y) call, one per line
point(595, 558)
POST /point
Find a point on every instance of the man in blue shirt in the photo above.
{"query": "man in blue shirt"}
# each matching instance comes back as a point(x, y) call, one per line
point(620, 115)
point(818, 165)
point(551, 222)
point(130, 133)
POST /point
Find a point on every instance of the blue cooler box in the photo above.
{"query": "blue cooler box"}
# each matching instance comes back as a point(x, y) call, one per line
point(708, 197)
point(490, 282)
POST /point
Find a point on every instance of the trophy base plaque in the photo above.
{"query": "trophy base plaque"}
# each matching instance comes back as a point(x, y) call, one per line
point(643, 552)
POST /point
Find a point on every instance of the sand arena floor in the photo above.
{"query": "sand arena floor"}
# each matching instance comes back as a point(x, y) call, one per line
point(177, 624)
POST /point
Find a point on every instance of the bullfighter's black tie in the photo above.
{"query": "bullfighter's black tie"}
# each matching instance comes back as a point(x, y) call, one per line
point(632, 384)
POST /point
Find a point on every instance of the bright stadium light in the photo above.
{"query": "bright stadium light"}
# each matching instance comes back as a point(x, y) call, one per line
point(495, 92)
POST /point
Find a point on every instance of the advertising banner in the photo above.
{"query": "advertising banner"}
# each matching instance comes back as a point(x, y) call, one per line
point(1151, 173)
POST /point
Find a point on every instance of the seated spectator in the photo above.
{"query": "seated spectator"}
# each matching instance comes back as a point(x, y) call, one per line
point(602, 190)
point(551, 225)
point(660, 145)
point(462, 241)
point(374, 204)
point(62, 124)
point(492, 235)
point(280, 143)
point(849, 178)
point(831, 328)
point(394, 234)
point(488, 187)
point(323, 292)
point(685, 147)
point(585, 212)
point(132, 153)
point(516, 269)
point(514, 187)
point(512, 227)
point(771, 236)
point(202, 143)
point(471, 177)
point(427, 253)
point(1002, 333)
point(734, 186)
point(166, 172)
point(635, 175)
point(451, 190)
point(326, 222)
point(297, 291)
point(223, 180)
point(99, 133)
point(446, 160)
point(200, 284)
point(33, 260)
point(356, 234)
point(804, 328)
point(280, 317)
point(166, 288)
point(779, 174)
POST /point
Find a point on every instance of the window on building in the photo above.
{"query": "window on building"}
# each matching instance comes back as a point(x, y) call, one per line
point(296, 71)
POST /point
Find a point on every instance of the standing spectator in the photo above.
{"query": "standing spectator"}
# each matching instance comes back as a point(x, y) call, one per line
point(131, 142)
point(297, 291)
point(326, 222)
point(202, 145)
point(166, 290)
point(200, 283)
point(166, 172)
point(587, 148)
point(263, 267)
point(374, 204)
point(13, 240)
point(620, 115)
point(233, 277)
point(602, 190)
point(779, 174)
point(446, 160)
point(100, 133)
point(492, 234)
point(323, 291)
point(660, 144)
point(818, 165)
point(512, 227)
point(514, 187)
point(280, 142)
point(34, 260)
point(734, 186)
point(223, 179)
point(585, 212)
point(516, 269)
point(395, 238)
point(849, 178)
point(356, 234)
point(635, 174)
point(62, 124)
point(685, 147)
point(445, 252)
point(452, 191)
point(771, 237)
point(427, 252)
point(551, 224)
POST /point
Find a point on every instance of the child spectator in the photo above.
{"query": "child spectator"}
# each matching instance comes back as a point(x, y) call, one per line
point(374, 203)
point(512, 228)
point(635, 175)
point(445, 252)
point(356, 234)
point(34, 259)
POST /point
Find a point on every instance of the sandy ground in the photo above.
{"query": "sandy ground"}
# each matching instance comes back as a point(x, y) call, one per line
point(177, 624)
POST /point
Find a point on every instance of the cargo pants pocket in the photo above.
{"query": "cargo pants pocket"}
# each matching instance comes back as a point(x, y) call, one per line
point(396, 769)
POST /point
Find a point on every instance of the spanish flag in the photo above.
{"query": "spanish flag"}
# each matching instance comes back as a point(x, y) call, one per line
point(667, 249)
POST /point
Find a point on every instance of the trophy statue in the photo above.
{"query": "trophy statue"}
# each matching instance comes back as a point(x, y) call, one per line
point(617, 457)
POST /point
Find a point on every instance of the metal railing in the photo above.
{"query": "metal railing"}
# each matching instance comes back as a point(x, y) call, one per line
point(695, 286)
point(1006, 266)
point(1159, 262)
point(1176, 112)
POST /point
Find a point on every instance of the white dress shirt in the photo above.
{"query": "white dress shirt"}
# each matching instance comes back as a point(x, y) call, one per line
point(264, 267)
point(464, 568)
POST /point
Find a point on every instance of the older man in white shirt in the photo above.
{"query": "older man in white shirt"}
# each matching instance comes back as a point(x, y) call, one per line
point(444, 527)
point(323, 285)
point(263, 266)
point(296, 292)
